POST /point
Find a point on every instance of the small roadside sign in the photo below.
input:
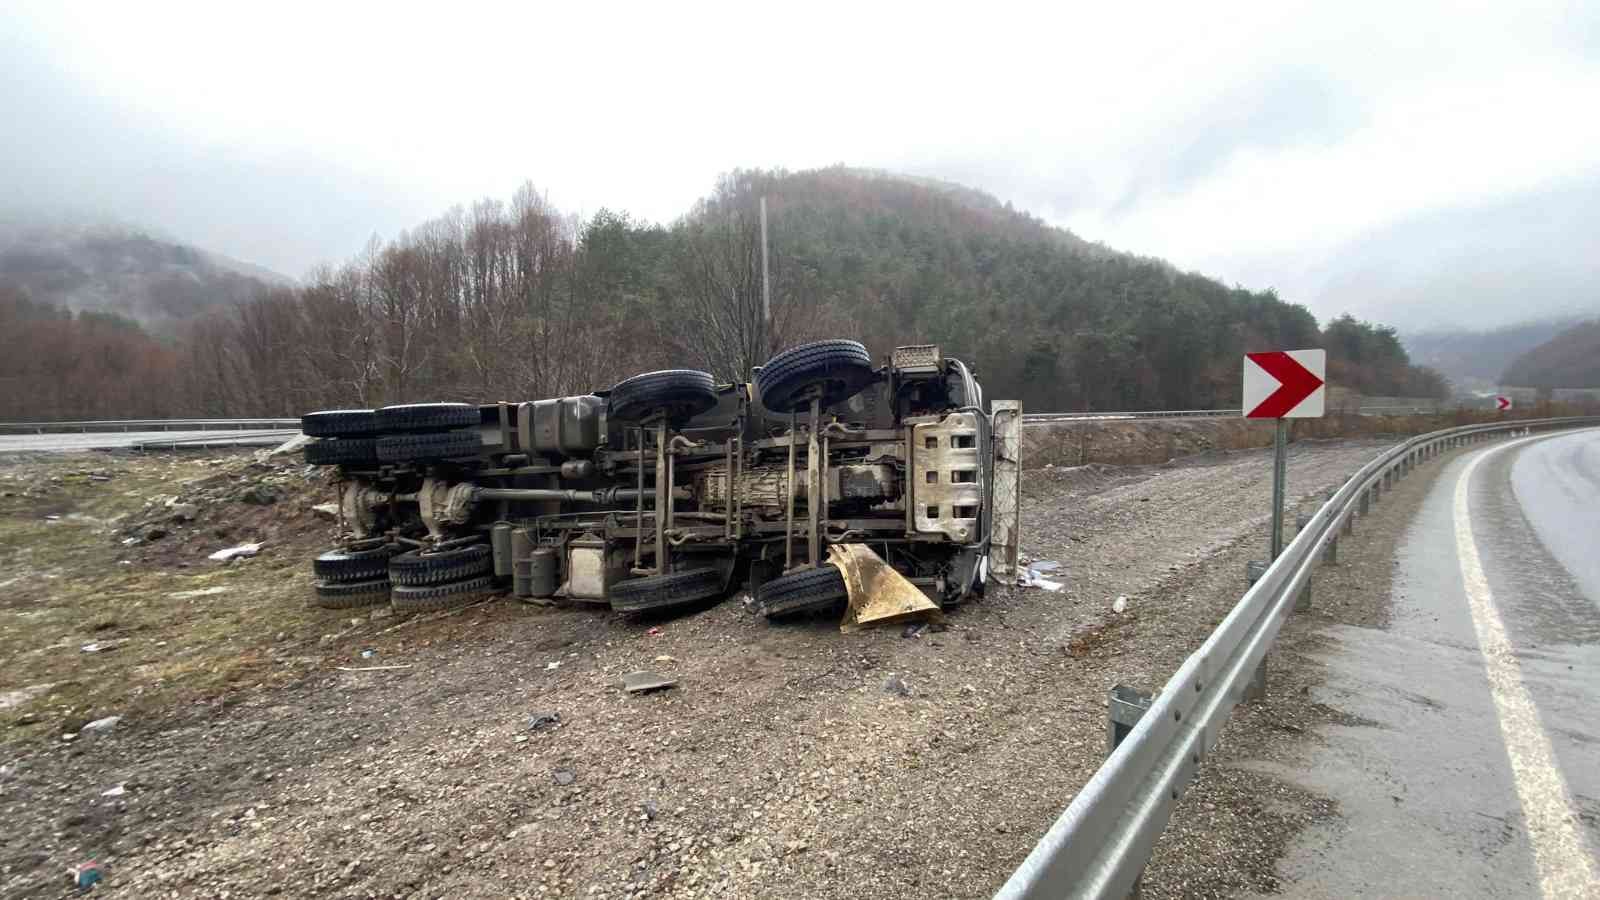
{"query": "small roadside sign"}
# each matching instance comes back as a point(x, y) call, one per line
point(1502, 403)
point(1285, 384)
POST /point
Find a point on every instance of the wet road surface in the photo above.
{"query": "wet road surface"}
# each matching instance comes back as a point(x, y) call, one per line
point(1473, 766)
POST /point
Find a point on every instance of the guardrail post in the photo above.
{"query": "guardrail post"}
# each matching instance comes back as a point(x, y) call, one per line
point(1331, 556)
point(1364, 504)
point(1124, 710)
point(1349, 526)
point(1256, 689)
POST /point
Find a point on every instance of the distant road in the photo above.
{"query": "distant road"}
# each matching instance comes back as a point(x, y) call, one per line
point(110, 440)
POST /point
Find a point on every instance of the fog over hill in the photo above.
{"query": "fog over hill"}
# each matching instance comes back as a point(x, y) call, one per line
point(121, 269)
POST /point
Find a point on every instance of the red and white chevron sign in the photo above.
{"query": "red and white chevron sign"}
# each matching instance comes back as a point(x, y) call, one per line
point(1502, 403)
point(1285, 384)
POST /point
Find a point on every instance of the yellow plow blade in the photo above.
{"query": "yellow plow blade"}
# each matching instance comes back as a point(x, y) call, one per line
point(878, 594)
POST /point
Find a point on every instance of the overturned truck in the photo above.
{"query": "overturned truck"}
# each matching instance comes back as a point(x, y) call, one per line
point(669, 489)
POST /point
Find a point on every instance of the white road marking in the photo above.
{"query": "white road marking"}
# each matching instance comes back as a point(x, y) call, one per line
point(1565, 869)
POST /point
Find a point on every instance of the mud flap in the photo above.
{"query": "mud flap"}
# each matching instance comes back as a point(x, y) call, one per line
point(878, 594)
point(1005, 491)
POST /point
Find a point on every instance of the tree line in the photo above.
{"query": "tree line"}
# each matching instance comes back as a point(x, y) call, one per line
point(516, 300)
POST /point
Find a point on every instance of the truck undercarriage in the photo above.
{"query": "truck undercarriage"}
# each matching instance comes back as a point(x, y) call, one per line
point(668, 489)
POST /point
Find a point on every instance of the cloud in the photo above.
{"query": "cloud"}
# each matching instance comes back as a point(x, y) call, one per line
point(1255, 142)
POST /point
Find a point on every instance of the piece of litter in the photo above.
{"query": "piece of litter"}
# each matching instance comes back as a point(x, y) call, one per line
point(563, 777)
point(52, 518)
point(552, 665)
point(640, 682)
point(542, 720)
point(101, 726)
point(85, 875)
point(1119, 605)
point(201, 592)
point(665, 658)
point(1033, 576)
point(98, 646)
point(368, 653)
point(371, 668)
point(240, 552)
point(117, 791)
point(653, 632)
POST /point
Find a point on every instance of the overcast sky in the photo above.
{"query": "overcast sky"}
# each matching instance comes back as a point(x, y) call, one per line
point(1419, 164)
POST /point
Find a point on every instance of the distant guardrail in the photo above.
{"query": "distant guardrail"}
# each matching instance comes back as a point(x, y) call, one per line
point(148, 425)
point(1099, 846)
point(1418, 409)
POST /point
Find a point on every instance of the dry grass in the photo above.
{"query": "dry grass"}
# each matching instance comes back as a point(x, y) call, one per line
point(69, 581)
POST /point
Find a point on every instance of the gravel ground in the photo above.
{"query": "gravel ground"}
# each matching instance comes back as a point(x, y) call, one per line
point(780, 767)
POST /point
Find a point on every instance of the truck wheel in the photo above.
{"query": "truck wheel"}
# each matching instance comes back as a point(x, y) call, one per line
point(406, 598)
point(809, 590)
point(420, 447)
point(353, 594)
point(353, 565)
point(839, 368)
point(682, 393)
point(413, 567)
point(665, 591)
point(336, 423)
point(427, 417)
point(349, 451)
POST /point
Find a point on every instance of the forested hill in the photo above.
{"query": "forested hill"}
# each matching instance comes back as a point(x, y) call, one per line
point(518, 300)
point(1057, 321)
point(1571, 359)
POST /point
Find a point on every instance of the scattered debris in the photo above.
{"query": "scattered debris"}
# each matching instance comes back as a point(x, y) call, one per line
point(200, 592)
point(541, 721)
point(654, 632)
point(894, 684)
point(664, 658)
point(329, 511)
point(640, 682)
point(371, 668)
point(101, 726)
point(243, 551)
point(52, 518)
point(552, 665)
point(85, 875)
point(100, 646)
point(564, 777)
point(1120, 605)
point(368, 653)
point(1033, 575)
point(915, 629)
point(117, 791)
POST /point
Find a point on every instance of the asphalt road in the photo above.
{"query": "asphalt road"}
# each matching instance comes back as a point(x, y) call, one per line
point(110, 440)
point(1472, 768)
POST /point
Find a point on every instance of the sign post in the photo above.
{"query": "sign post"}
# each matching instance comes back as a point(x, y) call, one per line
point(1284, 385)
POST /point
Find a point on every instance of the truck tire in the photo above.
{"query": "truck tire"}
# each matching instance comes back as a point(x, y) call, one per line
point(353, 594)
point(683, 393)
point(348, 451)
point(422, 447)
point(418, 598)
point(809, 590)
point(665, 591)
point(840, 368)
point(337, 423)
point(337, 566)
point(427, 417)
point(414, 568)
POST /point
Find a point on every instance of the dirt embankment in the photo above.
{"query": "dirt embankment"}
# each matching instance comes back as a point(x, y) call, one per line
point(1152, 441)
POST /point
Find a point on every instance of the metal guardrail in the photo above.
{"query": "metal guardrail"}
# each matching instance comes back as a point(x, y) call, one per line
point(147, 425)
point(220, 439)
point(1047, 418)
point(1101, 843)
